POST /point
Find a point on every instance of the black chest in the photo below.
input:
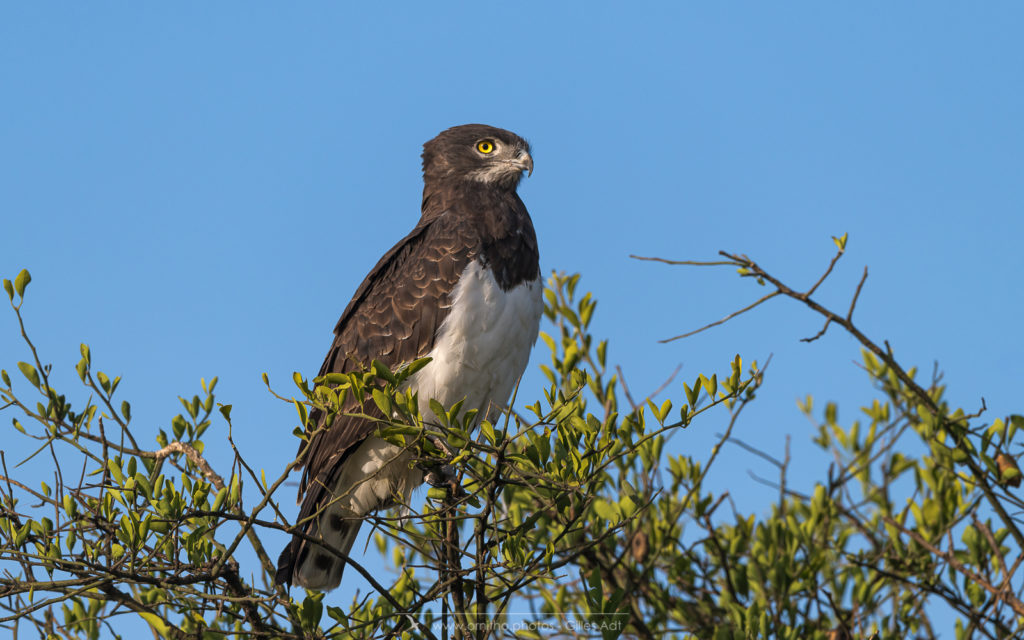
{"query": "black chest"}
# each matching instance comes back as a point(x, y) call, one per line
point(502, 232)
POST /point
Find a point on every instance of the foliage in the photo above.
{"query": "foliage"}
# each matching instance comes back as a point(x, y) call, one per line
point(573, 512)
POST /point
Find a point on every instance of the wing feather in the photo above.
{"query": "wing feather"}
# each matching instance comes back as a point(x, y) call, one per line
point(393, 317)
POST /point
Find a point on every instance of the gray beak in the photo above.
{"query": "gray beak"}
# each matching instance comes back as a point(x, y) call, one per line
point(525, 163)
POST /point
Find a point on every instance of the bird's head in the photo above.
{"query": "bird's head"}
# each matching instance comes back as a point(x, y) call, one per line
point(478, 153)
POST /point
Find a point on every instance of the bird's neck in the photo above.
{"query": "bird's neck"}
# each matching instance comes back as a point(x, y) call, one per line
point(440, 196)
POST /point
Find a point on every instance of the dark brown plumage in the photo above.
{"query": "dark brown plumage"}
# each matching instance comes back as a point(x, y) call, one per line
point(470, 213)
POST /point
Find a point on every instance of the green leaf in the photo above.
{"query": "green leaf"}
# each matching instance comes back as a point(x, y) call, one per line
point(438, 411)
point(334, 378)
point(660, 413)
point(840, 241)
point(571, 283)
point(594, 594)
point(143, 484)
point(692, 394)
point(454, 411)
point(9, 288)
point(302, 384)
point(605, 510)
point(104, 381)
point(156, 623)
point(21, 282)
point(488, 430)
point(550, 298)
point(115, 470)
point(177, 427)
point(414, 366)
point(311, 610)
point(711, 386)
point(29, 372)
point(627, 506)
point(383, 401)
point(337, 614)
point(22, 534)
point(303, 413)
point(382, 371)
point(218, 501)
point(586, 311)
point(236, 490)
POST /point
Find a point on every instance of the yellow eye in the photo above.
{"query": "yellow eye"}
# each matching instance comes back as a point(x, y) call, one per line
point(485, 146)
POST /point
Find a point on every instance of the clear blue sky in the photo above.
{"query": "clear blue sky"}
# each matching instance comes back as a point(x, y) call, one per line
point(197, 189)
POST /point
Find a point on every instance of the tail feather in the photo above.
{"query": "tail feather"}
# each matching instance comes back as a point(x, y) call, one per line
point(334, 507)
point(319, 567)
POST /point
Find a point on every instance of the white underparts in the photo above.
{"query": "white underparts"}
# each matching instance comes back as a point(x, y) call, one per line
point(480, 351)
point(483, 345)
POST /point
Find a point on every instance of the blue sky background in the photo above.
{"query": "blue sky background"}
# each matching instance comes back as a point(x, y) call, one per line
point(198, 189)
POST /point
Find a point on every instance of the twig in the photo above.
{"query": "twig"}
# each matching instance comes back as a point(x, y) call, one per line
point(625, 388)
point(1014, 603)
point(835, 259)
point(692, 263)
point(856, 294)
point(723, 320)
point(653, 394)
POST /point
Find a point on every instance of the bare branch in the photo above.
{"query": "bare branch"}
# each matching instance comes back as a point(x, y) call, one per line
point(723, 320)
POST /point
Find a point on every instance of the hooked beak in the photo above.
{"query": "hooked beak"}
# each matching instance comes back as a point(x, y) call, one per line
point(524, 162)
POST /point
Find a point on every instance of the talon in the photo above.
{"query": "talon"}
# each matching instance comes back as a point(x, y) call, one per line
point(440, 476)
point(444, 477)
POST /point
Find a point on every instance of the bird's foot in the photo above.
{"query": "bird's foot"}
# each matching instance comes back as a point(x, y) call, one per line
point(440, 476)
point(443, 476)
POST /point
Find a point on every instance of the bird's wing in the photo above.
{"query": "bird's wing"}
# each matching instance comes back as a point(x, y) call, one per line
point(393, 317)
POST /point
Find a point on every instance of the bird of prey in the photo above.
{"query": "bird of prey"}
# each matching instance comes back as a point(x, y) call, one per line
point(463, 288)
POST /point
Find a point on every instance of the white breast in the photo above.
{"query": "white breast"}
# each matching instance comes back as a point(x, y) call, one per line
point(481, 350)
point(483, 345)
